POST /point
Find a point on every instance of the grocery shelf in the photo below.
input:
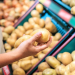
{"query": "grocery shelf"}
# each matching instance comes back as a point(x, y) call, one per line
point(57, 9)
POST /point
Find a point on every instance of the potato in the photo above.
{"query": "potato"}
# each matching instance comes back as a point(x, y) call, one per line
point(8, 51)
point(53, 43)
point(64, 58)
point(20, 40)
point(36, 26)
point(5, 36)
point(66, 1)
point(19, 33)
point(66, 73)
point(9, 29)
point(72, 3)
point(7, 46)
point(28, 26)
point(11, 41)
point(16, 62)
point(73, 55)
point(47, 20)
point(21, 28)
point(36, 20)
point(37, 54)
point(59, 56)
point(60, 69)
point(73, 73)
point(73, 10)
point(41, 23)
point(18, 71)
point(14, 36)
point(1, 73)
point(34, 61)
point(26, 65)
point(44, 37)
point(45, 51)
point(52, 61)
point(2, 22)
point(14, 66)
point(31, 21)
point(19, 63)
point(34, 13)
point(49, 72)
point(51, 27)
point(43, 66)
point(40, 56)
point(37, 73)
point(58, 36)
point(39, 8)
point(28, 32)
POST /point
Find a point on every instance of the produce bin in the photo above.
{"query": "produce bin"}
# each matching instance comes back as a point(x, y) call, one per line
point(62, 27)
point(68, 46)
point(60, 11)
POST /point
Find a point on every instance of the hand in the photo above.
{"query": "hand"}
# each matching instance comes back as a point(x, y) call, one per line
point(27, 48)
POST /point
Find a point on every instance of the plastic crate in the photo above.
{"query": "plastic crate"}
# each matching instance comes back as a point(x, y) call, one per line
point(63, 4)
point(68, 46)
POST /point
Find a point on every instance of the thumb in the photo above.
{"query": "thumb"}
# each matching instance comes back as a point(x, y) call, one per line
point(35, 37)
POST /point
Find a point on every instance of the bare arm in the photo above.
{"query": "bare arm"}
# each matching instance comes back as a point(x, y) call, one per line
point(25, 49)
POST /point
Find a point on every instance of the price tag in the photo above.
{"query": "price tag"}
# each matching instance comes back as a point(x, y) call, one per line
point(65, 15)
point(6, 70)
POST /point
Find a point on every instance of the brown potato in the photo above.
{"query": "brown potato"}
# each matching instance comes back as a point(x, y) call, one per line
point(59, 56)
point(60, 69)
point(41, 23)
point(28, 26)
point(72, 3)
point(73, 55)
point(14, 66)
point(73, 10)
point(39, 8)
point(40, 56)
point(21, 28)
point(34, 13)
point(37, 73)
point(47, 20)
point(20, 40)
point(26, 65)
point(45, 51)
point(28, 32)
point(36, 20)
point(57, 36)
point(45, 35)
point(7, 46)
point(18, 32)
point(51, 27)
point(53, 43)
point(43, 66)
point(31, 21)
point(52, 61)
point(73, 73)
point(9, 29)
point(64, 58)
point(36, 26)
point(5, 36)
point(18, 71)
point(37, 54)
point(14, 36)
point(34, 61)
point(11, 41)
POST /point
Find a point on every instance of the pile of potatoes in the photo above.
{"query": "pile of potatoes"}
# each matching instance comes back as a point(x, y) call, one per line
point(63, 65)
point(14, 37)
point(71, 3)
point(12, 10)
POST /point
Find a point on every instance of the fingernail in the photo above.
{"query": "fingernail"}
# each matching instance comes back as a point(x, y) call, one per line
point(39, 33)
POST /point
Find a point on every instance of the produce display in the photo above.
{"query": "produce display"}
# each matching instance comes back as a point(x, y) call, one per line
point(12, 10)
point(14, 37)
point(71, 3)
point(63, 65)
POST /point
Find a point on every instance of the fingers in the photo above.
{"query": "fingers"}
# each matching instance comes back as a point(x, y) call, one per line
point(35, 37)
point(42, 47)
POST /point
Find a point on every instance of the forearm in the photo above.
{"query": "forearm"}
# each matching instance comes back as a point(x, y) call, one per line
point(8, 58)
